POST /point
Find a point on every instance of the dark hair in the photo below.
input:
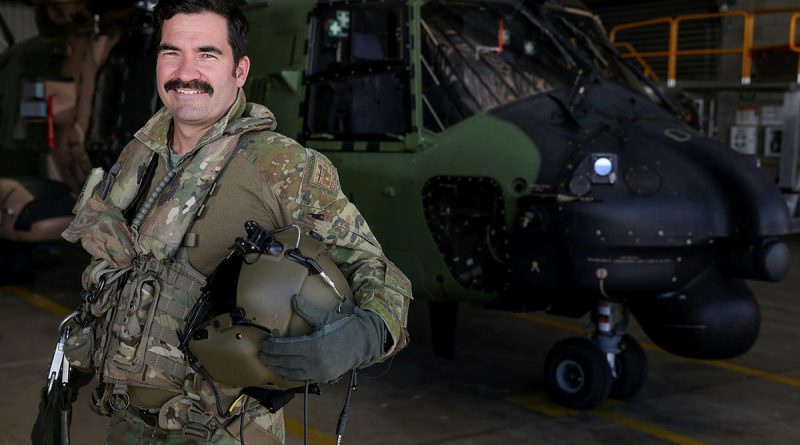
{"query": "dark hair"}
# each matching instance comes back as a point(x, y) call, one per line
point(238, 27)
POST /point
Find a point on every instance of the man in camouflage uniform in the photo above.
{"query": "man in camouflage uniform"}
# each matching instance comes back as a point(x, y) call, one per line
point(218, 164)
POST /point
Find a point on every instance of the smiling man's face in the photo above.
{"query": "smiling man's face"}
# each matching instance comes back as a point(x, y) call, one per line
point(195, 69)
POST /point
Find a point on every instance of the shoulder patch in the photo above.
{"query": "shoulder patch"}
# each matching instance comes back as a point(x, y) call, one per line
point(324, 174)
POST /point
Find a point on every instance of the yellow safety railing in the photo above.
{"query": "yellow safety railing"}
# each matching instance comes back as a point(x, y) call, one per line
point(793, 40)
point(648, 71)
point(673, 52)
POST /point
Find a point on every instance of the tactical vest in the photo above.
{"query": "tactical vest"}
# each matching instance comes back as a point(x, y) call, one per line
point(141, 319)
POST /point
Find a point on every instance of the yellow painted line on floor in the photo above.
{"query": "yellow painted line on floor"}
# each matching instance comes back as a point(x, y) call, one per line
point(777, 378)
point(542, 405)
point(572, 327)
point(549, 321)
point(649, 428)
point(38, 300)
point(538, 404)
point(293, 427)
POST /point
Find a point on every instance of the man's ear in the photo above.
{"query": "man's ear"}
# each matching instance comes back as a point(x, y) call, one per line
point(242, 70)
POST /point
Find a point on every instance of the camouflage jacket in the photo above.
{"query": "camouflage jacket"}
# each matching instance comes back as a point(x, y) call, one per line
point(275, 181)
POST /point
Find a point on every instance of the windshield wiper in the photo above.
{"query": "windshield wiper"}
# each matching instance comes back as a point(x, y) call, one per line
point(625, 63)
point(577, 32)
point(578, 89)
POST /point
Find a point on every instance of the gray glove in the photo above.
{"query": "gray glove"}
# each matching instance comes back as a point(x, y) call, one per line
point(338, 343)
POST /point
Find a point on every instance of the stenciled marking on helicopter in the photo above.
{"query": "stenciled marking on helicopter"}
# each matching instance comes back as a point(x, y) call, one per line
point(293, 427)
point(630, 260)
point(541, 405)
point(677, 135)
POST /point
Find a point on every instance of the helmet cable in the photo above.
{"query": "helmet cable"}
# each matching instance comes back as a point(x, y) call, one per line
point(340, 427)
point(305, 413)
point(241, 420)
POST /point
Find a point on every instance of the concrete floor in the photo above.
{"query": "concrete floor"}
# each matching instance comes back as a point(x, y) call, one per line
point(491, 394)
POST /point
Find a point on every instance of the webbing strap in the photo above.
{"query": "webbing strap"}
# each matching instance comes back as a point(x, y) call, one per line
point(172, 368)
point(169, 275)
point(164, 334)
point(173, 308)
point(199, 424)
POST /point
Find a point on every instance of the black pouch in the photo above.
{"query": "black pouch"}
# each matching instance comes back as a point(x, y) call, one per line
point(55, 411)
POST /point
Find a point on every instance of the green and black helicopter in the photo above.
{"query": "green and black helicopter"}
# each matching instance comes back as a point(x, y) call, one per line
point(503, 152)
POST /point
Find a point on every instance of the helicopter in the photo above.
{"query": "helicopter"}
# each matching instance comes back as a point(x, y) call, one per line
point(505, 154)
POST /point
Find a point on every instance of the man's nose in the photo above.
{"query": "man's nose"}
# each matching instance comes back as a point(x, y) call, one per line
point(188, 69)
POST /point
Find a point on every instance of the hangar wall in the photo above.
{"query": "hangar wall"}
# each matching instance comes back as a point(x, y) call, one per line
point(20, 19)
point(774, 72)
point(714, 82)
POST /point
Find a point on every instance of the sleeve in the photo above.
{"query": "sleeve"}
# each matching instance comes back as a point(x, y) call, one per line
point(307, 184)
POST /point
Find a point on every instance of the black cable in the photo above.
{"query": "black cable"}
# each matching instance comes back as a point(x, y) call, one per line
point(241, 428)
point(241, 420)
point(305, 414)
point(388, 367)
point(340, 427)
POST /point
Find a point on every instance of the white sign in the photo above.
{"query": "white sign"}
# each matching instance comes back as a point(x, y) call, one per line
point(747, 115)
point(772, 116)
point(772, 141)
point(744, 139)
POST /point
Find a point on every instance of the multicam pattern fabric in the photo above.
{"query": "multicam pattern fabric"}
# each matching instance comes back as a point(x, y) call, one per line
point(260, 427)
point(305, 181)
point(162, 284)
point(103, 232)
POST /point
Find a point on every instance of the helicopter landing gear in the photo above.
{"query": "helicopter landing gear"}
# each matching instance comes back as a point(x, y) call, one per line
point(581, 373)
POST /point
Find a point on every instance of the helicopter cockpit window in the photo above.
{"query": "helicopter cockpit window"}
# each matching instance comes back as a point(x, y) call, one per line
point(358, 82)
point(478, 56)
point(588, 38)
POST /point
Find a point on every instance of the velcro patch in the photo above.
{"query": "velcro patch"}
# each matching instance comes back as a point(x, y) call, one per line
point(396, 279)
point(324, 174)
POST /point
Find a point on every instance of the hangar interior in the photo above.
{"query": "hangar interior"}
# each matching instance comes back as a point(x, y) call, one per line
point(735, 65)
point(481, 367)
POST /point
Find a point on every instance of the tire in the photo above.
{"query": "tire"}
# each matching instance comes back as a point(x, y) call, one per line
point(631, 367)
point(577, 374)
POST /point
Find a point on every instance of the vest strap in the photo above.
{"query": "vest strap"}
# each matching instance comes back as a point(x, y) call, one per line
point(173, 308)
point(170, 275)
point(164, 334)
point(171, 367)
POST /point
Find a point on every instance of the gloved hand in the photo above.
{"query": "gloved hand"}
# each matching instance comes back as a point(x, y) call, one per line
point(338, 343)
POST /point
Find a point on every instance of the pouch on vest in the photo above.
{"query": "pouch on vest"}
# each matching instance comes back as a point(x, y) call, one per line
point(103, 232)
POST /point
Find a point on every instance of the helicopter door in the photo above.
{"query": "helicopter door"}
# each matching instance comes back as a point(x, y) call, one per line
point(358, 82)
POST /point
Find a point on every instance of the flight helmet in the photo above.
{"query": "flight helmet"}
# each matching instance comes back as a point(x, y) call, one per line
point(249, 298)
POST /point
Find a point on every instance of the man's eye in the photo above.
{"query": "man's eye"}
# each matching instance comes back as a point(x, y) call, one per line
point(169, 53)
point(207, 56)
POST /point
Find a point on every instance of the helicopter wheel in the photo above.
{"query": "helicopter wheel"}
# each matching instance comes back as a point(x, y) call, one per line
point(577, 374)
point(631, 369)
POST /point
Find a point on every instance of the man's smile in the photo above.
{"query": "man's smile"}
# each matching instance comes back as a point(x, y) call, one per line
point(190, 88)
point(188, 92)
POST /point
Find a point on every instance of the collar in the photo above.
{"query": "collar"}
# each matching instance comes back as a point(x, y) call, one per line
point(155, 133)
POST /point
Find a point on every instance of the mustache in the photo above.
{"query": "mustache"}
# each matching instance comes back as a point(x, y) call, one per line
point(195, 84)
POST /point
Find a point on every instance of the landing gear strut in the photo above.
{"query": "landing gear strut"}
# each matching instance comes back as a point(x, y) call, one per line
point(581, 373)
